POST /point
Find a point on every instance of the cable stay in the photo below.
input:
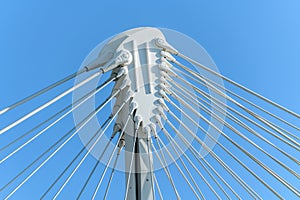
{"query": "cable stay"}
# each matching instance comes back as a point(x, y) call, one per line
point(245, 186)
point(293, 189)
point(48, 103)
point(73, 161)
point(56, 121)
point(163, 162)
point(40, 92)
point(211, 86)
point(263, 120)
point(228, 80)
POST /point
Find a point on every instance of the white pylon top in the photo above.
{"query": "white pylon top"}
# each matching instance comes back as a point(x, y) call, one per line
point(143, 73)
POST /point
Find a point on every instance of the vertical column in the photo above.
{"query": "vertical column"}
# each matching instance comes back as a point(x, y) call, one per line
point(140, 182)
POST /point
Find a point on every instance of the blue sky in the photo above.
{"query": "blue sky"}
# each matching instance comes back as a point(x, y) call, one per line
point(254, 43)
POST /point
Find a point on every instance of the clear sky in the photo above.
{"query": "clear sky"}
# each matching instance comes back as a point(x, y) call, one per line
point(255, 43)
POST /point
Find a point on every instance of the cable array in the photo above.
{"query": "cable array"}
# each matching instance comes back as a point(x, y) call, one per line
point(256, 148)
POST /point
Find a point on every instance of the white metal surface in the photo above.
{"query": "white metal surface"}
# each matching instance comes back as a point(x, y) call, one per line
point(143, 78)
